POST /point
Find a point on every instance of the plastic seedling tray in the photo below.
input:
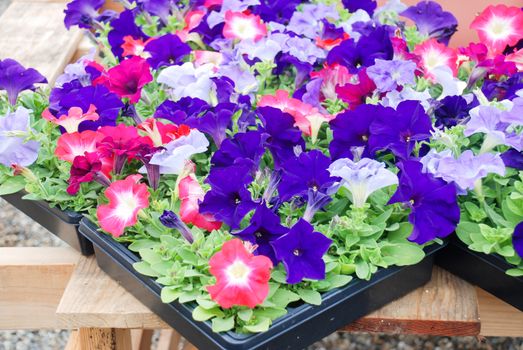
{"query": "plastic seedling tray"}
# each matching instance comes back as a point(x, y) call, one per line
point(63, 224)
point(486, 271)
point(302, 326)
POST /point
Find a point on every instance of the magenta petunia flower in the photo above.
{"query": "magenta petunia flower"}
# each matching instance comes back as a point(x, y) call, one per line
point(14, 78)
point(86, 168)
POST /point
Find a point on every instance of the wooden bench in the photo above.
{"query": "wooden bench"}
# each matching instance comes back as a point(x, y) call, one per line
point(56, 288)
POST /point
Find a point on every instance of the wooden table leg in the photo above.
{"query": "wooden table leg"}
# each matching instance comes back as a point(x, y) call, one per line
point(104, 339)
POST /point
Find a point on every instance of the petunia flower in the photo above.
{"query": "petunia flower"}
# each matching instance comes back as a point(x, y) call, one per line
point(243, 26)
point(309, 20)
point(126, 198)
point(216, 18)
point(86, 168)
point(243, 148)
point(499, 26)
point(14, 78)
point(73, 119)
point(362, 178)
point(400, 134)
point(517, 239)
point(189, 81)
point(434, 54)
point(166, 50)
point(355, 93)
point(15, 149)
point(82, 13)
point(122, 26)
point(301, 250)
point(433, 202)
point(332, 76)
point(242, 279)
point(171, 220)
point(191, 194)
point(279, 11)
point(135, 47)
point(160, 8)
point(452, 110)
point(388, 75)
point(513, 159)
point(228, 201)
point(264, 228)
point(128, 78)
point(432, 21)
point(367, 5)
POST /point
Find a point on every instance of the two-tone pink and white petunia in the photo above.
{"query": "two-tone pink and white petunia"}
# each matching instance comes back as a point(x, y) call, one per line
point(243, 26)
point(74, 117)
point(434, 54)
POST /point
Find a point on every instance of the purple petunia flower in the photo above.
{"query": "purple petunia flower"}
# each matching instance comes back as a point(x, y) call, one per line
point(229, 201)
point(187, 108)
point(171, 220)
point(82, 13)
point(166, 51)
point(187, 80)
point(399, 135)
point(308, 21)
point(216, 121)
point(14, 149)
point(351, 130)
point(124, 26)
point(434, 209)
point(432, 21)
point(284, 137)
point(517, 239)
point(388, 75)
point(307, 171)
point(513, 159)
point(244, 148)
point(354, 5)
point(452, 110)
point(279, 11)
point(301, 251)
point(504, 89)
point(264, 228)
point(14, 78)
point(160, 8)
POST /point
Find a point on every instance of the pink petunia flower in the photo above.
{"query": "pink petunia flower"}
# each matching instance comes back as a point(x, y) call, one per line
point(241, 278)
point(126, 198)
point(69, 146)
point(356, 93)
point(127, 79)
point(332, 76)
point(161, 133)
point(73, 119)
point(191, 193)
point(86, 168)
point(243, 26)
point(434, 54)
point(499, 26)
point(192, 20)
point(517, 58)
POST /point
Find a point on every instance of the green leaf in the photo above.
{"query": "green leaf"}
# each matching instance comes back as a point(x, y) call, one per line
point(188, 256)
point(337, 281)
point(362, 270)
point(150, 256)
point(262, 325)
point(201, 314)
point(310, 296)
point(12, 185)
point(145, 269)
point(284, 297)
point(270, 312)
point(169, 295)
point(403, 254)
point(140, 244)
point(279, 276)
point(222, 324)
point(245, 315)
point(206, 303)
point(515, 272)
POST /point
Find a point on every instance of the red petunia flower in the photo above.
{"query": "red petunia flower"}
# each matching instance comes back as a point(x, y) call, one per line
point(127, 79)
point(241, 278)
point(191, 193)
point(135, 47)
point(499, 26)
point(161, 133)
point(243, 26)
point(126, 198)
point(73, 119)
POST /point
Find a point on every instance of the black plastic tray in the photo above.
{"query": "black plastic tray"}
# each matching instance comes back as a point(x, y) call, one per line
point(486, 271)
point(302, 326)
point(63, 224)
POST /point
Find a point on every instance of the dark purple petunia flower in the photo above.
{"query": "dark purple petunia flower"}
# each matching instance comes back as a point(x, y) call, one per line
point(244, 148)
point(265, 227)
point(354, 5)
point(216, 121)
point(224, 89)
point(229, 200)
point(301, 251)
point(307, 171)
point(207, 33)
point(303, 69)
point(351, 129)
point(108, 105)
point(167, 50)
point(375, 45)
point(452, 110)
point(517, 239)
point(82, 13)
point(432, 21)
point(399, 135)
point(187, 108)
point(14, 78)
point(284, 137)
point(171, 220)
point(160, 8)
point(124, 26)
point(434, 209)
point(279, 11)
point(513, 159)
point(501, 90)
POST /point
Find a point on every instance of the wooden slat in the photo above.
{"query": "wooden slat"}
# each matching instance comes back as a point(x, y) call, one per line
point(33, 33)
point(104, 339)
point(32, 281)
point(498, 318)
point(106, 304)
point(73, 343)
point(447, 306)
point(141, 339)
point(169, 340)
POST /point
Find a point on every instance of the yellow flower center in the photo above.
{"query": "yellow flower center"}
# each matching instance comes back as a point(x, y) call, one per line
point(238, 272)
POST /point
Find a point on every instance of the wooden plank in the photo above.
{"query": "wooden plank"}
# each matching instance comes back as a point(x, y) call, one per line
point(141, 339)
point(169, 340)
point(446, 306)
point(105, 305)
point(32, 281)
point(498, 319)
point(73, 343)
point(33, 33)
point(104, 339)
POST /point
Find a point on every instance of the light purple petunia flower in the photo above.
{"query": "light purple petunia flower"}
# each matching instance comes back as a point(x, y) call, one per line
point(362, 178)
point(82, 13)
point(305, 50)
point(14, 129)
point(76, 71)
point(308, 22)
point(464, 171)
point(216, 17)
point(189, 81)
point(388, 75)
point(14, 78)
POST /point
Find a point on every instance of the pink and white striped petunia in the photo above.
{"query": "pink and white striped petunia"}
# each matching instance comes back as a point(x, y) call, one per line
point(241, 278)
point(499, 26)
point(73, 119)
point(517, 58)
point(434, 54)
point(69, 146)
point(243, 26)
point(126, 198)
